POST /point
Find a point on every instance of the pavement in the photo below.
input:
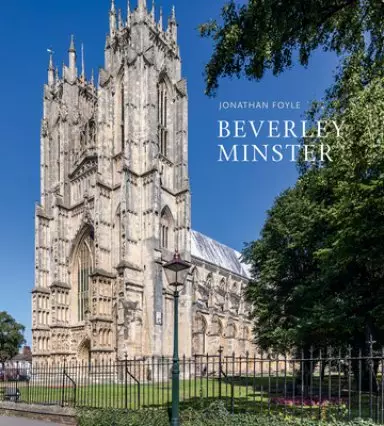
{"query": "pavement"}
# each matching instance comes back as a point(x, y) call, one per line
point(18, 421)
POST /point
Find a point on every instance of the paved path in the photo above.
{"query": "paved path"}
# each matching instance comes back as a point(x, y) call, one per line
point(18, 421)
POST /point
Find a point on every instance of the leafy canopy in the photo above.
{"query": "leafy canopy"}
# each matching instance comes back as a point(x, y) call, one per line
point(318, 268)
point(11, 337)
point(266, 34)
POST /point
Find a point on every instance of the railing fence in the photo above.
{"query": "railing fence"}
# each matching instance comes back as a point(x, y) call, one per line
point(314, 384)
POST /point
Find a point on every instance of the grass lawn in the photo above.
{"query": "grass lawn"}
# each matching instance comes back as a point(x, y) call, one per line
point(251, 394)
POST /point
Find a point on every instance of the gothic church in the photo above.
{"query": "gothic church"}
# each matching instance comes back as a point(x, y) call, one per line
point(115, 205)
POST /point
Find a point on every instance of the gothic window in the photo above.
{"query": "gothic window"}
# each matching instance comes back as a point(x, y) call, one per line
point(84, 269)
point(166, 226)
point(162, 101)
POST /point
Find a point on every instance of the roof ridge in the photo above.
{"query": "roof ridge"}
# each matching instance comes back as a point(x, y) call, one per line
point(217, 253)
point(216, 241)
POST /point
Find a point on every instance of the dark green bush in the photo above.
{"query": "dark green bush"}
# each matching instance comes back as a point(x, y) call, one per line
point(215, 415)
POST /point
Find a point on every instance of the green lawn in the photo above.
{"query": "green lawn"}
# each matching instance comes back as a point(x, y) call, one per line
point(252, 394)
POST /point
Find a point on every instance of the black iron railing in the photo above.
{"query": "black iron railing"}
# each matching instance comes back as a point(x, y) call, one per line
point(313, 384)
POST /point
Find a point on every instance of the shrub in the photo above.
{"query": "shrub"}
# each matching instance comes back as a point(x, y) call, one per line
point(214, 415)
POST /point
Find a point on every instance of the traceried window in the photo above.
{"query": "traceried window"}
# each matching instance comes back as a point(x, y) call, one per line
point(84, 270)
point(162, 101)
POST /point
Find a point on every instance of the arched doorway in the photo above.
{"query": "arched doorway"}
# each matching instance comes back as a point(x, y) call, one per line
point(84, 352)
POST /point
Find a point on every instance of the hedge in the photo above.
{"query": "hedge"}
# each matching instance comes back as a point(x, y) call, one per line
point(215, 415)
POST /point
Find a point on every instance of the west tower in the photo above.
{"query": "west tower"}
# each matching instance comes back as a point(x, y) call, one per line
point(115, 197)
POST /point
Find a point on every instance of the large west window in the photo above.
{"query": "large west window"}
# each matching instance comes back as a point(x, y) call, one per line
point(84, 270)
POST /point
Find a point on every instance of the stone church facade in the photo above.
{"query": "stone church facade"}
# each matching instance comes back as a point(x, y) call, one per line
point(115, 205)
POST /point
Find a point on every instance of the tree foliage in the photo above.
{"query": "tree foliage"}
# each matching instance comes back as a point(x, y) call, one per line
point(266, 35)
point(11, 337)
point(318, 268)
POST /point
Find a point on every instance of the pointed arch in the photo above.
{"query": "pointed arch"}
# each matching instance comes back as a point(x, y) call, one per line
point(84, 351)
point(164, 78)
point(164, 94)
point(167, 227)
point(83, 261)
point(217, 327)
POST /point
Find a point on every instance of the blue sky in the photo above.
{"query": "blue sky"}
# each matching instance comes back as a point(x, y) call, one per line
point(230, 200)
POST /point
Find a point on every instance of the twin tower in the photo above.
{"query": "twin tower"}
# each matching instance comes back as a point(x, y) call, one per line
point(115, 198)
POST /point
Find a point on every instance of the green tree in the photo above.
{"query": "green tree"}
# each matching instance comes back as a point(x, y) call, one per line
point(266, 35)
point(318, 268)
point(11, 337)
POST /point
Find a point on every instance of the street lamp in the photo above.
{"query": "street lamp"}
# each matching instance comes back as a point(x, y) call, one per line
point(176, 272)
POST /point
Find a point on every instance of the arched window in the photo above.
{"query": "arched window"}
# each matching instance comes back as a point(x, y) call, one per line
point(166, 229)
point(162, 101)
point(84, 264)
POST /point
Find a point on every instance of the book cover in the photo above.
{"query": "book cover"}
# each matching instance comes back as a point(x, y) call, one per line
point(193, 206)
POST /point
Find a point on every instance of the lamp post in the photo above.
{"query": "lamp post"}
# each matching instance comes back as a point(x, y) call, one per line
point(176, 272)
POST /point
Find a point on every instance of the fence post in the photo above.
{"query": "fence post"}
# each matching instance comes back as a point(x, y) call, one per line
point(17, 379)
point(220, 369)
point(126, 380)
point(63, 387)
point(233, 385)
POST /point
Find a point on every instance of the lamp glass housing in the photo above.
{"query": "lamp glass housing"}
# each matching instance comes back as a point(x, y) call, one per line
point(176, 271)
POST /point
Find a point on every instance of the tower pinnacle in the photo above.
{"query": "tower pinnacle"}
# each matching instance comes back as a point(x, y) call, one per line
point(172, 25)
point(112, 19)
point(82, 63)
point(128, 13)
point(72, 45)
point(72, 58)
point(51, 68)
point(160, 25)
point(119, 20)
point(142, 4)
